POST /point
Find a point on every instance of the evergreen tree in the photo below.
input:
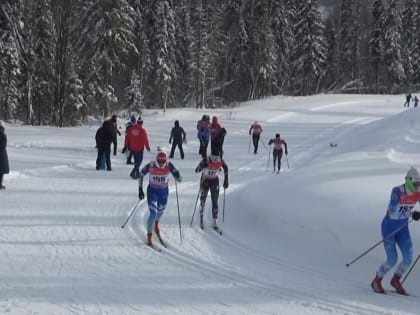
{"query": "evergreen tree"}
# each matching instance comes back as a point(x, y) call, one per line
point(349, 41)
point(392, 54)
point(415, 52)
point(408, 36)
point(107, 40)
point(133, 95)
point(310, 50)
point(74, 107)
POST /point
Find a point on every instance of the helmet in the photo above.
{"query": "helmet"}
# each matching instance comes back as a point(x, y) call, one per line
point(277, 135)
point(161, 159)
point(214, 157)
point(412, 179)
point(176, 123)
point(255, 122)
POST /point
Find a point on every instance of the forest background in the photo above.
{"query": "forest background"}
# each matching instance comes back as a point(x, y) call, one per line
point(63, 61)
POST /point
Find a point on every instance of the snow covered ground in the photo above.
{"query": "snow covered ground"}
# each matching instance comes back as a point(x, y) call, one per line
point(287, 237)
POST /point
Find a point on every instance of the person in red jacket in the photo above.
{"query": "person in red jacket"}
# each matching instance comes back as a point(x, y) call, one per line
point(137, 140)
point(217, 135)
point(256, 130)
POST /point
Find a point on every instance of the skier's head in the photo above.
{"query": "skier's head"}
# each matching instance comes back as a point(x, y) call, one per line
point(412, 179)
point(133, 119)
point(204, 117)
point(214, 120)
point(114, 118)
point(176, 123)
point(214, 157)
point(161, 159)
point(255, 122)
point(277, 136)
point(140, 120)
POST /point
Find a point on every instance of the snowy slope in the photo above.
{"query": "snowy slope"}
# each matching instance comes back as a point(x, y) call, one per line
point(287, 237)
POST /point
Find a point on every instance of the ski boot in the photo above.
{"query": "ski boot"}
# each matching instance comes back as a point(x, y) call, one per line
point(214, 225)
point(395, 282)
point(376, 285)
point(149, 239)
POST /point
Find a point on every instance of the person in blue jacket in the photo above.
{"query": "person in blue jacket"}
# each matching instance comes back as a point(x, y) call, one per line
point(157, 190)
point(395, 231)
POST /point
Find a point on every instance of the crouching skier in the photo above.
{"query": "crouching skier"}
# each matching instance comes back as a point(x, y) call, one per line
point(157, 190)
point(211, 167)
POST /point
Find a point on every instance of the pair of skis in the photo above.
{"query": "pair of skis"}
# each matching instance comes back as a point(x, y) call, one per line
point(161, 241)
point(214, 227)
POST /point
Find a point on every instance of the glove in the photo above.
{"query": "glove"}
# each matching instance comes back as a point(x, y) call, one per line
point(124, 150)
point(170, 141)
point(415, 215)
point(286, 152)
point(225, 184)
point(197, 169)
point(178, 178)
point(141, 193)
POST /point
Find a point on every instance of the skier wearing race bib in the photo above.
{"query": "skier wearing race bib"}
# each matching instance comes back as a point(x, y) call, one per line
point(278, 143)
point(157, 190)
point(395, 231)
point(256, 133)
point(210, 167)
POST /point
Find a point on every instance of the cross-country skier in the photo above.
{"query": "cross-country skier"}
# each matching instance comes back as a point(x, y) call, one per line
point(157, 190)
point(210, 167)
point(178, 136)
point(256, 130)
point(395, 230)
point(278, 151)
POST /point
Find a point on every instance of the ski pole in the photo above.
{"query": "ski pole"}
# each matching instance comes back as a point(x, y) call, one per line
point(262, 141)
point(411, 268)
point(287, 161)
point(268, 162)
point(224, 198)
point(196, 200)
point(179, 216)
point(381, 241)
point(249, 144)
point(132, 212)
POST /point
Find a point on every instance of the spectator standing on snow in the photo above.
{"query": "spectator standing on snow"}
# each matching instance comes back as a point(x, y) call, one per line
point(125, 149)
point(4, 160)
point(217, 134)
point(137, 141)
point(113, 127)
point(203, 134)
point(278, 144)
point(211, 167)
point(157, 191)
point(407, 100)
point(256, 130)
point(416, 101)
point(177, 138)
point(103, 140)
point(395, 231)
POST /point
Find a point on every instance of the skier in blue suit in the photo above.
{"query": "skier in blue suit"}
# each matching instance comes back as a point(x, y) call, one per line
point(395, 231)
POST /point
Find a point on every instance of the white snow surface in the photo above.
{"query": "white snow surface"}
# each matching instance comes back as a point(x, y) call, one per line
point(286, 238)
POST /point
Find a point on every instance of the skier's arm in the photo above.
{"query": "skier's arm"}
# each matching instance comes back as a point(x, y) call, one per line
point(226, 180)
point(394, 200)
point(143, 173)
point(171, 136)
point(285, 147)
point(175, 172)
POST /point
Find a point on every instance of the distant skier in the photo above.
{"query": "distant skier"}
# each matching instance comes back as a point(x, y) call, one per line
point(395, 230)
point(125, 150)
point(256, 130)
point(104, 138)
point(211, 167)
point(278, 151)
point(416, 101)
point(177, 138)
point(136, 142)
point(157, 190)
point(407, 100)
point(203, 134)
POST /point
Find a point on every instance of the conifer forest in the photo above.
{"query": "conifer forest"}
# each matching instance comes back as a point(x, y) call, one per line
point(62, 61)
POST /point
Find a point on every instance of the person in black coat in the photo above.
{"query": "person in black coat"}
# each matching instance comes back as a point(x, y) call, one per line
point(104, 137)
point(178, 136)
point(4, 160)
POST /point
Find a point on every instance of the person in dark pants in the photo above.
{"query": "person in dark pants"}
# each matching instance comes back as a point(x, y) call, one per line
point(114, 130)
point(217, 135)
point(178, 136)
point(256, 130)
point(210, 167)
point(407, 100)
point(203, 134)
point(4, 160)
point(137, 141)
point(125, 149)
point(104, 138)
point(278, 151)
